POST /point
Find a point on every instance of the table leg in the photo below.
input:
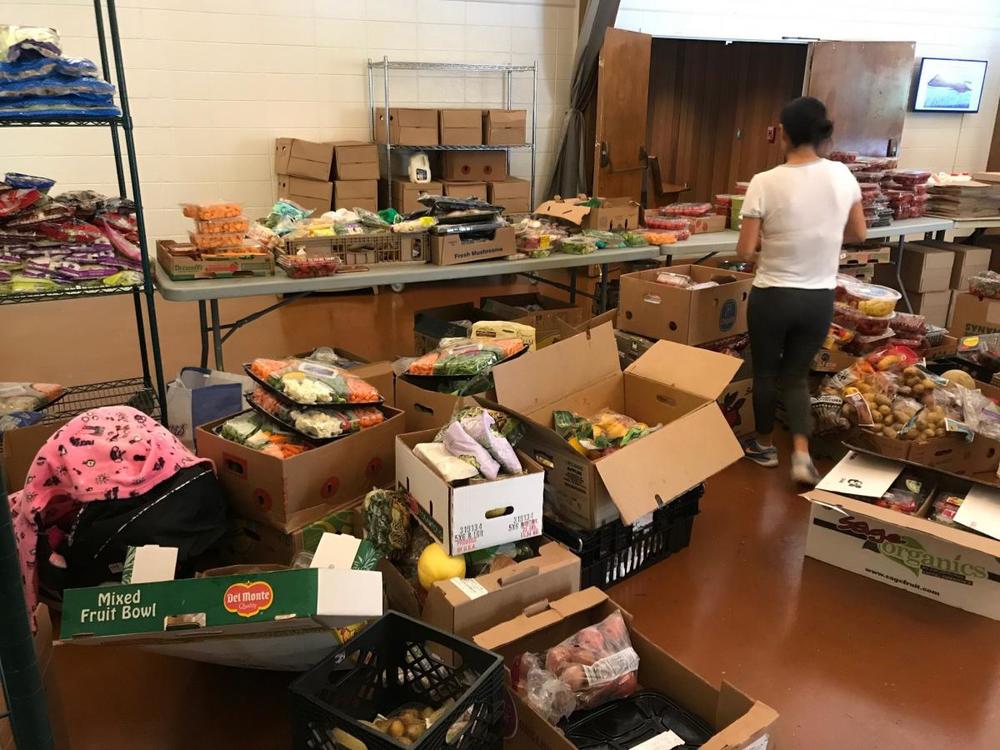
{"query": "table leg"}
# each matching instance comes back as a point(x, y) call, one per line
point(899, 278)
point(216, 334)
point(940, 235)
point(572, 283)
point(203, 333)
point(604, 287)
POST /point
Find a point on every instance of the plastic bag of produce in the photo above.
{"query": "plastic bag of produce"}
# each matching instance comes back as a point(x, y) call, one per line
point(27, 396)
point(317, 424)
point(462, 357)
point(587, 670)
point(307, 382)
point(259, 433)
point(462, 445)
point(481, 428)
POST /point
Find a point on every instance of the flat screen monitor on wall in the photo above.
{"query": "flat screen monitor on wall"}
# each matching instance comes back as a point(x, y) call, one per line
point(946, 85)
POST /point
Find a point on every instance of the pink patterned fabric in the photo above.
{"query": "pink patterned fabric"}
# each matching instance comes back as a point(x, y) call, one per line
point(111, 453)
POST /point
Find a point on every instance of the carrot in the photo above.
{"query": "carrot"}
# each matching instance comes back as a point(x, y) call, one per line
point(424, 365)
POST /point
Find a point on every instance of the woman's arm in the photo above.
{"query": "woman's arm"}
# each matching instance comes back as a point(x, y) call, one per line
point(749, 242)
point(856, 229)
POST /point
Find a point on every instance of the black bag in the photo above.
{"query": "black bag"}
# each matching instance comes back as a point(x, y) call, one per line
point(187, 511)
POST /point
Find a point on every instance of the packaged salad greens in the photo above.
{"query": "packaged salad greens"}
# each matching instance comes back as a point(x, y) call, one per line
point(462, 358)
point(259, 433)
point(308, 382)
point(317, 424)
point(600, 435)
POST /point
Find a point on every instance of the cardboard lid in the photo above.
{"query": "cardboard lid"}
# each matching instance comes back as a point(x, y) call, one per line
point(533, 621)
point(651, 472)
point(567, 210)
point(546, 376)
point(687, 368)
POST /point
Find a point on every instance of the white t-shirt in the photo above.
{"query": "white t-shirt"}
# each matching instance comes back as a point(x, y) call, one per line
point(803, 210)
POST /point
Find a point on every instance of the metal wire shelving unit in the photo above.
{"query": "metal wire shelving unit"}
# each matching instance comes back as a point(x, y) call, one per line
point(385, 65)
point(148, 391)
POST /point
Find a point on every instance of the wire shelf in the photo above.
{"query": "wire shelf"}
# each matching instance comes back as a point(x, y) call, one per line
point(64, 122)
point(439, 147)
point(22, 298)
point(132, 392)
point(454, 67)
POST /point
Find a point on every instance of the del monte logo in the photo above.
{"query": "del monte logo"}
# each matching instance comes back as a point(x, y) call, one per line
point(248, 599)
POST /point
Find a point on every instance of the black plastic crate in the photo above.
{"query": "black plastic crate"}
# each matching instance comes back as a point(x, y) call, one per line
point(614, 552)
point(391, 663)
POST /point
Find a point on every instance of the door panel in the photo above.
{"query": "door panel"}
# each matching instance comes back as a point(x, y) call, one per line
point(622, 94)
point(866, 88)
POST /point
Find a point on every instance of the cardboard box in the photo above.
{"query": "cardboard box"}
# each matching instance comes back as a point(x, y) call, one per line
point(631, 346)
point(356, 194)
point(925, 269)
point(671, 384)
point(451, 249)
point(969, 261)
point(425, 409)
point(252, 542)
point(738, 720)
point(355, 160)
point(278, 491)
point(20, 447)
point(831, 361)
point(270, 620)
point(514, 194)
point(465, 189)
point(660, 311)
point(615, 214)
point(535, 310)
point(405, 194)
point(977, 458)
point(408, 127)
point(457, 516)
point(705, 224)
point(461, 127)
point(432, 324)
point(736, 403)
point(474, 166)
point(932, 305)
point(505, 127)
point(467, 607)
point(182, 267)
point(314, 195)
point(944, 563)
point(972, 316)
point(298, 158)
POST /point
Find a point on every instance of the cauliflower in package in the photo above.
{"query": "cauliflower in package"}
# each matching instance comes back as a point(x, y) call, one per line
point(308, 382)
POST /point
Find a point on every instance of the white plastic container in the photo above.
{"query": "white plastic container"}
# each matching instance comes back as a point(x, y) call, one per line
point(420, 168)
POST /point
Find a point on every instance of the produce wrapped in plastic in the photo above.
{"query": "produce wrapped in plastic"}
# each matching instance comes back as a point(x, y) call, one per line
point(27, 396)
point(307, 382)
point(319, 424)
point(597, 436)
point(587, 670)
point(462, 445)
point(259, 433)
point(687, 209)
point(578, 244)
point(511, 428)
point(985, 284)
point(481, 428)
point(463, 357)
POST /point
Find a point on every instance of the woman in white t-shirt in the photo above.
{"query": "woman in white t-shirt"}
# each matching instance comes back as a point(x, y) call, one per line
point(796, 217)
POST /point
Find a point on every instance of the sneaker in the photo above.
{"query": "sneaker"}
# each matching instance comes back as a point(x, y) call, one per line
point(803, 469)
point(765, 455)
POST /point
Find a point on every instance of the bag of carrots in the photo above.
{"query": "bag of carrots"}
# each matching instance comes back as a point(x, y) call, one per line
point(307, 382)
point(463, 357)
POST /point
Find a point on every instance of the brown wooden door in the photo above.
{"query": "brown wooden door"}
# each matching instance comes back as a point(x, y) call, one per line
point(866, 88)
point(622, 94)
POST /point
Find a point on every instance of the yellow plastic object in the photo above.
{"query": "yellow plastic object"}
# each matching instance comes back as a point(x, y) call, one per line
point(487, 330)
point(436, 565)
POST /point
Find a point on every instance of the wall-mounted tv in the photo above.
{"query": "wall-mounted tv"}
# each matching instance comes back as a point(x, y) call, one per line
point(946, 85)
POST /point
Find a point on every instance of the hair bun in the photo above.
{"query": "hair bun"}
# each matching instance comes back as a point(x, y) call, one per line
point(822, 130)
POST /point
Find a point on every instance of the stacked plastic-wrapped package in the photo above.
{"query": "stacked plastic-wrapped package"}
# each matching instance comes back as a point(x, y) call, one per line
point(887, 192)
point(37, 82)
point(76, 239)
point(907, 192)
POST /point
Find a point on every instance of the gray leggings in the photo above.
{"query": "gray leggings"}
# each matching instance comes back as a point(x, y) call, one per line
point(787, 328)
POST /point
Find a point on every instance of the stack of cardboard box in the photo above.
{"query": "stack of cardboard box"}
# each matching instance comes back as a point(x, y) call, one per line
point(324, 176)
point(926, 275)
point(968, 261)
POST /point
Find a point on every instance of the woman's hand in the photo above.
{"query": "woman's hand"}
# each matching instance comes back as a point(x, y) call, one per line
point(856, 229)
point(748, 244)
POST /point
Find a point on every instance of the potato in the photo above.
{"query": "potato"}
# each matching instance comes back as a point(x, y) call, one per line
point(883, 400)
point(396, 728)
point(929, 433)
point(928, 384)
point(877, 417)
point(887, 419)
point(415, 731)
point(921, 423)
point(918, 390)
point(940, 432)
point(885, 409)
point(905, 390)
point(889, 432)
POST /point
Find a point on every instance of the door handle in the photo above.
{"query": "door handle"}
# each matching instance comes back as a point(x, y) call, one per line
point(891, 148)
point(605, 156)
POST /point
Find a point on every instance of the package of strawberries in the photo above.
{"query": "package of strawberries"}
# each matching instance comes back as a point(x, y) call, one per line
point(592, 667)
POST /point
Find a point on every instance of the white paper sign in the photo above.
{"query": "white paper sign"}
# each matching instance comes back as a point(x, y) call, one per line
point(666, 741)
point(981, 511)
point(862, 475)
point(335, 551)
point(470, 587)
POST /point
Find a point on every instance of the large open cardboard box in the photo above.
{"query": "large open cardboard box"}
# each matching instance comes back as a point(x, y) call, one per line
point(468, 606)
point(615, 214)
point(671, 384)
point(267, 620)
point(278, 491)
point(945, 563)
point(739, 721)
point(426, 409)
point(457, 516)
point(660, 311)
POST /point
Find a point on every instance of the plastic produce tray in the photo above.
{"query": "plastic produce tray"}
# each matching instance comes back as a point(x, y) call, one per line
point(614, 552)
point(392, 663)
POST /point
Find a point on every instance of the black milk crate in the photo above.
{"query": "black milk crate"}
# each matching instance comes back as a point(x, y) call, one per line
point(615, 551)
point(389, 665)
